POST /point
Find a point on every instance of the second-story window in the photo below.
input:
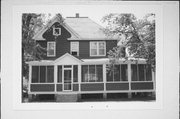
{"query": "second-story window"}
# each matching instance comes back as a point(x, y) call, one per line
point(75, 48)
point(98, 48)
point(56, 31)
point(51, 49)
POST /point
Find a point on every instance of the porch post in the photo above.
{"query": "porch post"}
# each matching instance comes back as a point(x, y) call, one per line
point(104, 81)
point(154, 83)
point(55, 78)
point(30, 78)
point(79, 80)
point(30, 96)
point(129, 79)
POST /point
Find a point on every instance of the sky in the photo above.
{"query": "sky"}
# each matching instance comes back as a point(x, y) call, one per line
point(96, 12)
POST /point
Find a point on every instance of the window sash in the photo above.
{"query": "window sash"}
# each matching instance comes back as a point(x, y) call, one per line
point(51, 50)
point(97, 49)
point(75, 47)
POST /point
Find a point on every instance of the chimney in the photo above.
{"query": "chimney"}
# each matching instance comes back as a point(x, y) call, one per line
point(77, 15)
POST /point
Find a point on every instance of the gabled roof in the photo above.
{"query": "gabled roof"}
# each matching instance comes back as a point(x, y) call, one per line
point(81, 28)
point(67, 59)
point(86, 28)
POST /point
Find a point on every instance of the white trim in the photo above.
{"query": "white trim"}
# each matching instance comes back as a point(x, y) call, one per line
point(30, 78)
point(90, 43)
point(67, 55)
point(54, 43)
point(129, 75)
point(79, 76)
point(104, 76)
point(77, 43)
point(55, 77)
point(89, 92)
point(55, 33)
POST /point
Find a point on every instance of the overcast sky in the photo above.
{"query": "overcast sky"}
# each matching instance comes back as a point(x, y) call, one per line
point(96, 12)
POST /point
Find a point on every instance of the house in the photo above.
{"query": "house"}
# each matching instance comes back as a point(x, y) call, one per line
point(76, 63)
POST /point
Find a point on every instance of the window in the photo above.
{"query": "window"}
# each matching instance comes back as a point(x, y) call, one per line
point(75, 48)
point(42, 74)
point(56, 31)
point(119, 73)
point(141, 72)
point(98, 48)
point(92, 73)
point(51, 49)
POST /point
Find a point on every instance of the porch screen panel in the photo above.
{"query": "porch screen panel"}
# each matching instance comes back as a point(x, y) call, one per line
point(116, 72)
point(85, 73)
point(124, 72)
point(99, 73)
point(75, 73)
point(50, 74)
point(35, 74)
point(109, 75)
point(92, 75)
point(59, 74)
point(148, 73)
point(134, 76)
point(141, 72)
point(42, 74)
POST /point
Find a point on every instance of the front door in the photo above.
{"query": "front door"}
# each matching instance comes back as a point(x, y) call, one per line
point(67, 80)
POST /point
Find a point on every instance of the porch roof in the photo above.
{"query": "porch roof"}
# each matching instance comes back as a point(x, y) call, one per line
point(85, 61)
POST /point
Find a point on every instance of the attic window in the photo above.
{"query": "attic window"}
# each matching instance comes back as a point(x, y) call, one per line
point(56, 31)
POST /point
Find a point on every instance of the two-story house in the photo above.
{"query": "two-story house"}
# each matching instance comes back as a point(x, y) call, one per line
point(76, 63)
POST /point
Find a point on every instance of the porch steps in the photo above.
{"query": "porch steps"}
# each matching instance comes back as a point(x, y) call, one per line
point(66, 98)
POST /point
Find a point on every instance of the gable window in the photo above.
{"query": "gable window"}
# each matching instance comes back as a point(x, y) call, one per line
point(51, 49)
point(56, 31)
point(98, 48)
point(75, 48)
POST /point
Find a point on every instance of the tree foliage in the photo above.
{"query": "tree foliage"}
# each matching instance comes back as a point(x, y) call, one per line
point(31, 23)
point(139, 36)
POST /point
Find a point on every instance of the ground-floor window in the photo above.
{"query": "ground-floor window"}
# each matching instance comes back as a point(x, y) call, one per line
point(42, 74)
point(118, 73)
point(92, 73)
point(141, 72)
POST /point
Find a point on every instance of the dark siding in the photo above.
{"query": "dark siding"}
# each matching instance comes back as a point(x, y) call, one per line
point(117, 86)
point(84, 48)
point(110, 44)
point(75, 87)
point(42, 87)
point(142, 86)
point(62, 44)
point(92, 87)
point(59, 87)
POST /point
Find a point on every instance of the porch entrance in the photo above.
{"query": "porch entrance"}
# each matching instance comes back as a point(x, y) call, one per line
point(67, 82)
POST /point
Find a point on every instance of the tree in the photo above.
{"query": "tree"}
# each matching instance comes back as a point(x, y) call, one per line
point(139, 36)
point(30, 49)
